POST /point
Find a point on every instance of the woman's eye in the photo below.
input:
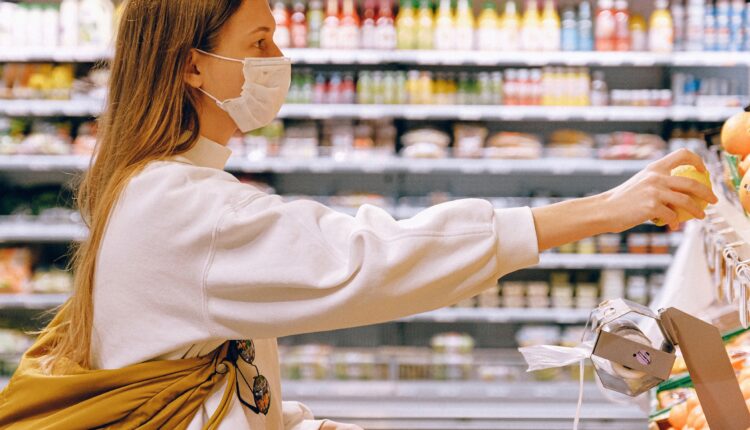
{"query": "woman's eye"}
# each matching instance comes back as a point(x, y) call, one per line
point(261, 44)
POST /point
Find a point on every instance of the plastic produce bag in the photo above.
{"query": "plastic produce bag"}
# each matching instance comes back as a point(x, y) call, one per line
point(540, 357)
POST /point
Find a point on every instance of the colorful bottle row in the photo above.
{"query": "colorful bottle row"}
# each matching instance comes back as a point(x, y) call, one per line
point(551, 86)
point(720, 25)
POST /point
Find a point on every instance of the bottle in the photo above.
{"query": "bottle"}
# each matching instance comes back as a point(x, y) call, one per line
point(50, 25)
point(661, 36)
point(569, 35)
point(298, 25)
point(736, 25)
point(320, 89)
point(368, 32)
point(599, 90)
point(464, 26)
point(329, 32)
point(315, 19)
point(95, 22)
point(679, 19)
point(723, 38)
point(385, 27)
point(34, 25)
point(709, 27)
point(622, 26)
point(425, 25)
point(746, 15)
point(550, 24)
point(694, 26)
point(445, 27)
point(531, 27)
point(585, 27)
point(488, 37)
point(604, 27)
point(406, 26)
point(638, 33)
point(510, 27)
point(349, 26)
point(282, 36)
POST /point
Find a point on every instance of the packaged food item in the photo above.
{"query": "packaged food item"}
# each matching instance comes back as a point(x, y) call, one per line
point(609, 243)
point(587, 296)
point(659, 243)
point(511, 145)
point(15, 270)
point(562, 296)
point(355, 365)
point(469, 140)
point(425, 143)
point(612, 284)
point(489, 298)
point(638, 243)
point(587, 246)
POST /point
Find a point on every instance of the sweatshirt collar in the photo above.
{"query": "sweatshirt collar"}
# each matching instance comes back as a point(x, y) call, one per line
point(207, 153)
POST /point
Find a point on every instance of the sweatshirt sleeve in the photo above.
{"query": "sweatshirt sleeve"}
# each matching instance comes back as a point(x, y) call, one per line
point(297, 416)
point(277, 269)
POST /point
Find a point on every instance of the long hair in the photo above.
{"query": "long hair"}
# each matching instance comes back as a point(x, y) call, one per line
point(151, 114)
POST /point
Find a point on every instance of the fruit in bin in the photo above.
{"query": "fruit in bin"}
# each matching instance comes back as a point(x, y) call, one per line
point(696, 419)
point(678, 415)
point(735, 134)
point(744, 166)
point(745, 192)
point(689, 171)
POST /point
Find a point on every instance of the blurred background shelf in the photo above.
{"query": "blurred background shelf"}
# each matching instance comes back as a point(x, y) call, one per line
point(32, 301)
point(503, 315)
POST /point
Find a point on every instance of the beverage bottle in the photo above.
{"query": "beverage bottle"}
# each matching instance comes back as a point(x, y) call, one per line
point(585, 27)
point(364, 88)
point(401, 88)
point(604, 28)
point(307, 87)
point(746, 15)
point(709, 27)
point(550, 25)
point(445, 27)
point(736, 25)
point(412, 87)
point(661, 36)
point(569, 35)
point(368, 31)
point(315, 19)
point(425, 25)
point(679, 19)
point(510, 28)
point(497, 88)
point(406, 26)
point(320, 89)
point(464, 26)
point(584, 87)
point(488, 37)
point(385, 26)
point(329, 33)
point(622, 26)
point(510, 87)
point(531, 27)
point(334, 91)
point(69, 23)
point(694, 26)
point(298, 25)
point(282, 36)
point(349, 26)
point(536, 88)
point(599, 90)
point(638, 33)
point(723, 37)
point(348, 89)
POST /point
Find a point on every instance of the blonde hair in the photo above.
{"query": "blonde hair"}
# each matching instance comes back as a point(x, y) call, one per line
point(151, 114)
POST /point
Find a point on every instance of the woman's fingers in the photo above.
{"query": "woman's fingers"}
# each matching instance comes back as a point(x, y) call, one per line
point(683, 201)
point(667, 216)
point(678, 158)
point(691, 187)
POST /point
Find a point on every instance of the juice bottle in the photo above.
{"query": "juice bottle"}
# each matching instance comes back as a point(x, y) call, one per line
point(349, 26)
point(604, 28)
point(445, 27)
point(694, 26)
point(723, 37)
point(406, 26)
point(736, 21)
point(585, 27)
point(679, 20)
point(464, 26)
point(282, 37)
point(488, 38)
point(385, 27)
point(298, 25)
point(510, 28)
point(531, 27)
point(550, 27)
point(315, 18)
point(622, 26)
point(329, 33)
point(569, 35)
point(710, 40)
point(368, 32)
point(661, 37)
point(425, 25)
point(638, 33)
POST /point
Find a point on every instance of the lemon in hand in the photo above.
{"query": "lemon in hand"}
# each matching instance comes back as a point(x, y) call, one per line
point(689, 171)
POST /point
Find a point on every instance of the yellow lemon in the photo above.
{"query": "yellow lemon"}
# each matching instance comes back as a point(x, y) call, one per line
point(689, 171)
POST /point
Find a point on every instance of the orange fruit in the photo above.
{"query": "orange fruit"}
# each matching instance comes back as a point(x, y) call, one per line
point(745, 192)
point(735, 134)
point(695, 418)
point(678, 415)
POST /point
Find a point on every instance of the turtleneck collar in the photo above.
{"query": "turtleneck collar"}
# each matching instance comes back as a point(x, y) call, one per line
point(207, 153)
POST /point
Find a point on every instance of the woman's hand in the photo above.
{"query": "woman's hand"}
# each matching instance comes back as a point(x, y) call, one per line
point(650, 194)
point(654, 193)
point(331, 425)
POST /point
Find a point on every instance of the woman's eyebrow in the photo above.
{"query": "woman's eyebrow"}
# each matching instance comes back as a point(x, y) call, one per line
point(263, 29)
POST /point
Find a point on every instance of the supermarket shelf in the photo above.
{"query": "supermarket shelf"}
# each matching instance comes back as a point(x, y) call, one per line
point(327, 165)
point(607, 261)
point(503, 316)
point(89, 107)
point(41, 232)
point(427, 58)
point(32, 301)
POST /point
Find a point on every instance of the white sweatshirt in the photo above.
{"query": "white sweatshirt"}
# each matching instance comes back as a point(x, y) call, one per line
point(191, 257)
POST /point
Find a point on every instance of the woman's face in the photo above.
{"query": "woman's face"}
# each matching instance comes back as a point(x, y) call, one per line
point(247, 33)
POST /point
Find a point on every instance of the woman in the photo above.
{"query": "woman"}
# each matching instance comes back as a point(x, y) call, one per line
point(182, 257)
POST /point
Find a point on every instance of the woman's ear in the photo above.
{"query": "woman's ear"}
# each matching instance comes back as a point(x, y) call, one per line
point(193, 76)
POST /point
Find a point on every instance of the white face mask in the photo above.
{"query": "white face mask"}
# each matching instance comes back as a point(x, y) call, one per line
point(266, 85)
